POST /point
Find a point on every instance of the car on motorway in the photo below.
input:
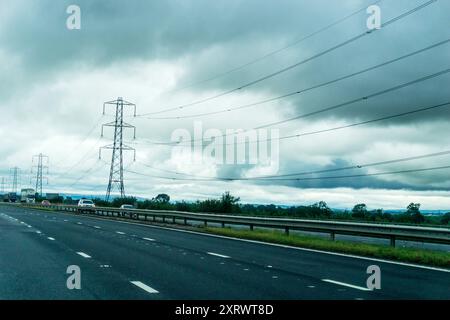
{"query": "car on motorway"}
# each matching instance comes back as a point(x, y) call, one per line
point(126, 206)
point(86, 205)
point(45, 203)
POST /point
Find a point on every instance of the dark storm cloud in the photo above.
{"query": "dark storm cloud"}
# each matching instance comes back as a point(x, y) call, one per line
point(216, 36)
point(209, 38)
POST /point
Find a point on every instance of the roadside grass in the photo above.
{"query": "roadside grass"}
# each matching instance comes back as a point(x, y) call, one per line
point(410, 255)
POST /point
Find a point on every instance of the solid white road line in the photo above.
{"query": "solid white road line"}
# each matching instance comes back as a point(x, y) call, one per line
point(97, 227)
point(120, 232)
point(84, 255)
point(38, 232)
point(144, 287)
point(218, 255)
point(148, 239)
point(347, 285)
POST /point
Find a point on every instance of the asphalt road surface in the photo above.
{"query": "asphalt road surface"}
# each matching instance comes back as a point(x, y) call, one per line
point(122, 260)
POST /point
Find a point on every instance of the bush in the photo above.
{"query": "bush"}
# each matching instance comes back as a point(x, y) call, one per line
point(445, 218)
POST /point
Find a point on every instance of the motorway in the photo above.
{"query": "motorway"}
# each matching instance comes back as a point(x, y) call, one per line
point(123, 260)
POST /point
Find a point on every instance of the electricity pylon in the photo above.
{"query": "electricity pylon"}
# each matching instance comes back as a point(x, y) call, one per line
point(3, 186)
point(40, 168)
point(116, 171)
point(15, 173)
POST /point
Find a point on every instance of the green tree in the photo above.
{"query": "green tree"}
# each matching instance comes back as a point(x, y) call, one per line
point(321, 209)
point(162, 197)
point(360, 211)
point(413, 212)
point(377, 215)
point(229, 203)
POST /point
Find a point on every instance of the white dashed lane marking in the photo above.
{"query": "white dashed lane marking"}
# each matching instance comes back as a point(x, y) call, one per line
point(149, 239)
point(84, 255)
point(120, 232)
point(218, 255)
point(346, 285)
point(144, 287)
point(50, 238)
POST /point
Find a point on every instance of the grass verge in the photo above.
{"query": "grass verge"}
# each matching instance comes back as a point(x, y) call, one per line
point(410, 255)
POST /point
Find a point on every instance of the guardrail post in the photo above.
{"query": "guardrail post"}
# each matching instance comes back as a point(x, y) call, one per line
point(164, 219)
point(154, 218)
point(286, 230)
point(206, 223)
point(173, 220)
point(185, 221)
point(332, 236)
point(223, 224)
point(251, 227)
point(392, 241)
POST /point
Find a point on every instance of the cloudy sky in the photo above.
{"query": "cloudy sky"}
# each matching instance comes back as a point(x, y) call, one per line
point(161, 55)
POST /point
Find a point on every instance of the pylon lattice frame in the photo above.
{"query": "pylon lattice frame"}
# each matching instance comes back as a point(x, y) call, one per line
point(40, 168)
point(117, 147)
point(15, 172)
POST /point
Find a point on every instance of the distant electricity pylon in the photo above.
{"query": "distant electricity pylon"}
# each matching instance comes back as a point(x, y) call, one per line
point(3, 186)
point(116, 172)
point(15, 173)
point(40, 166)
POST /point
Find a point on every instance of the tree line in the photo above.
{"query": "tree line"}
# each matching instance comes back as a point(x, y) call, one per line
point(230, 204)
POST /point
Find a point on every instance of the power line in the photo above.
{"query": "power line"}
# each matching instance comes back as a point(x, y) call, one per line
point(297, 92)
point(373, 95)
point(305, 179)
point(274, 52)
point(83, 140)
point(352, 167)
point(81, 160)
point(298, 135)
point(362, 175)
point(373, 164)
point(85, 173)
point(271, 75)
point(323, 110)
point(170, 171)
